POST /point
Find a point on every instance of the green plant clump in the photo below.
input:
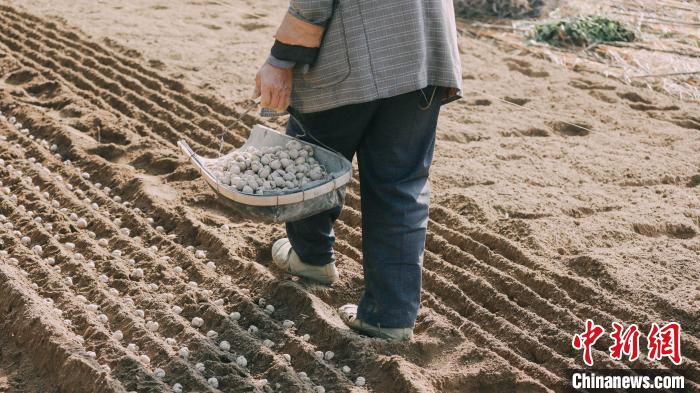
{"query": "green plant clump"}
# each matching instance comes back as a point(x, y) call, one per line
point(582, 31)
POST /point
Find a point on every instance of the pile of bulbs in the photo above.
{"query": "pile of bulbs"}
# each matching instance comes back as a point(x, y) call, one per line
point(270, 169)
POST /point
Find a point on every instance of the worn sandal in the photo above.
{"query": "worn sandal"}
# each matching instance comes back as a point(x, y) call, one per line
point(348, 313)
point(285, 258)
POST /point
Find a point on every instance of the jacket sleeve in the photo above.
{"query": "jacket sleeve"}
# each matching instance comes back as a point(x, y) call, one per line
point(299, 36)
point(317, 12)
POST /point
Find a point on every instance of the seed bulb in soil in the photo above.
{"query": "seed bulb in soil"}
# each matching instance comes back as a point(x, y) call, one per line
point(360, 381)
point(152, 326)
point(329, 355)
point(38, 250)
point(132, 347)
point(235, 315)
point(177, 269)
point(306, 337)
point(269, 309)
point(140, 313)
point(91, 354)
point(197, 322)
point(137, 273)
point(212, 334)
point(70, 246)
point(93, 307)
point(219, 302)
point(241, 361)
point(199, 367)
point(145, 359)
point(159, 373)
point(213, 382)
point(170, 341)
point(318, 355)
point(252, 329)
point(346, 369)
point(199, 254)
point(184, 352)
point(177, 310)
point(103, 279)
point(102, 318)
point(225, 345)
point(211, 265)
point(177, 388)
point(81, 223)
point(118, 335)
point(320, 389)
point(268, 343)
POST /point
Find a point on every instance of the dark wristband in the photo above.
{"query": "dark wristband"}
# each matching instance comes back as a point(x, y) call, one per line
point(296, 53)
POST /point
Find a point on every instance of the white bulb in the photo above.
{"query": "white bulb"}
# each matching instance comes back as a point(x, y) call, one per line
point(235, 315)
point(241, 361)
point(152, 326)
point(177, 388)
point(287, 324)
point(213, 382)
point(212, 334)
point(225, 345)
point(318, 355)
point(197, 322)
point(252, 329)
point(177, 310)
point(118, 335)
point(360, 381)
point(137, 273)
point(184, 352)
point(346, 369)
point(199, 367)
point(159, 373)
point(199, 254)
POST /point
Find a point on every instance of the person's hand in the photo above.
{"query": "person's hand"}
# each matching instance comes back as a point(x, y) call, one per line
point(273, 85)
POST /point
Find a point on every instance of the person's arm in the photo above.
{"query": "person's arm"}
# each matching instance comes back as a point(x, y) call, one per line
point(297, 42)
point(299, 36)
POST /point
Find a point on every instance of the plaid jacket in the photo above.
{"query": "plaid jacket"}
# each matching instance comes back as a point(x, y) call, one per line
point(376, 49)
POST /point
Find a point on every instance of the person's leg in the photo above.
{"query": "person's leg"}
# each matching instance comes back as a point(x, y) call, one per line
point(394, 159)
point(340, 129)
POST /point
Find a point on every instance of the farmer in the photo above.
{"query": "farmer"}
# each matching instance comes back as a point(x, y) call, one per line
point(367, 77)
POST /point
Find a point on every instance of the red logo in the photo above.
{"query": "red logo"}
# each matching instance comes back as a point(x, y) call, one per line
point(626, 343)
point(586, 339)
point(663, 342)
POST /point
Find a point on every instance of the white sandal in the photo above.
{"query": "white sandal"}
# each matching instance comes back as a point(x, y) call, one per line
point(348, 313)
point(285, 258)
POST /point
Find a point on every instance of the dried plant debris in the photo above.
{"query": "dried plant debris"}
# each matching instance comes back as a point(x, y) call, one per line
point(582, 31)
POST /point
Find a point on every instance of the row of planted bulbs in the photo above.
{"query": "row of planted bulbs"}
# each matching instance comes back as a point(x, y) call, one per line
point(138, 273)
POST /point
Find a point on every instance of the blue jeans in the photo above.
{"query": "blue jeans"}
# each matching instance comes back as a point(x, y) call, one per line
point(394, 140)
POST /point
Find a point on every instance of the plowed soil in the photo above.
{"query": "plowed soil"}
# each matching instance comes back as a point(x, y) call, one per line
point(583, 205)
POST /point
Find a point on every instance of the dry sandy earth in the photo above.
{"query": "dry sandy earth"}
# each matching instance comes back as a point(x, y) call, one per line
point(536, 224)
